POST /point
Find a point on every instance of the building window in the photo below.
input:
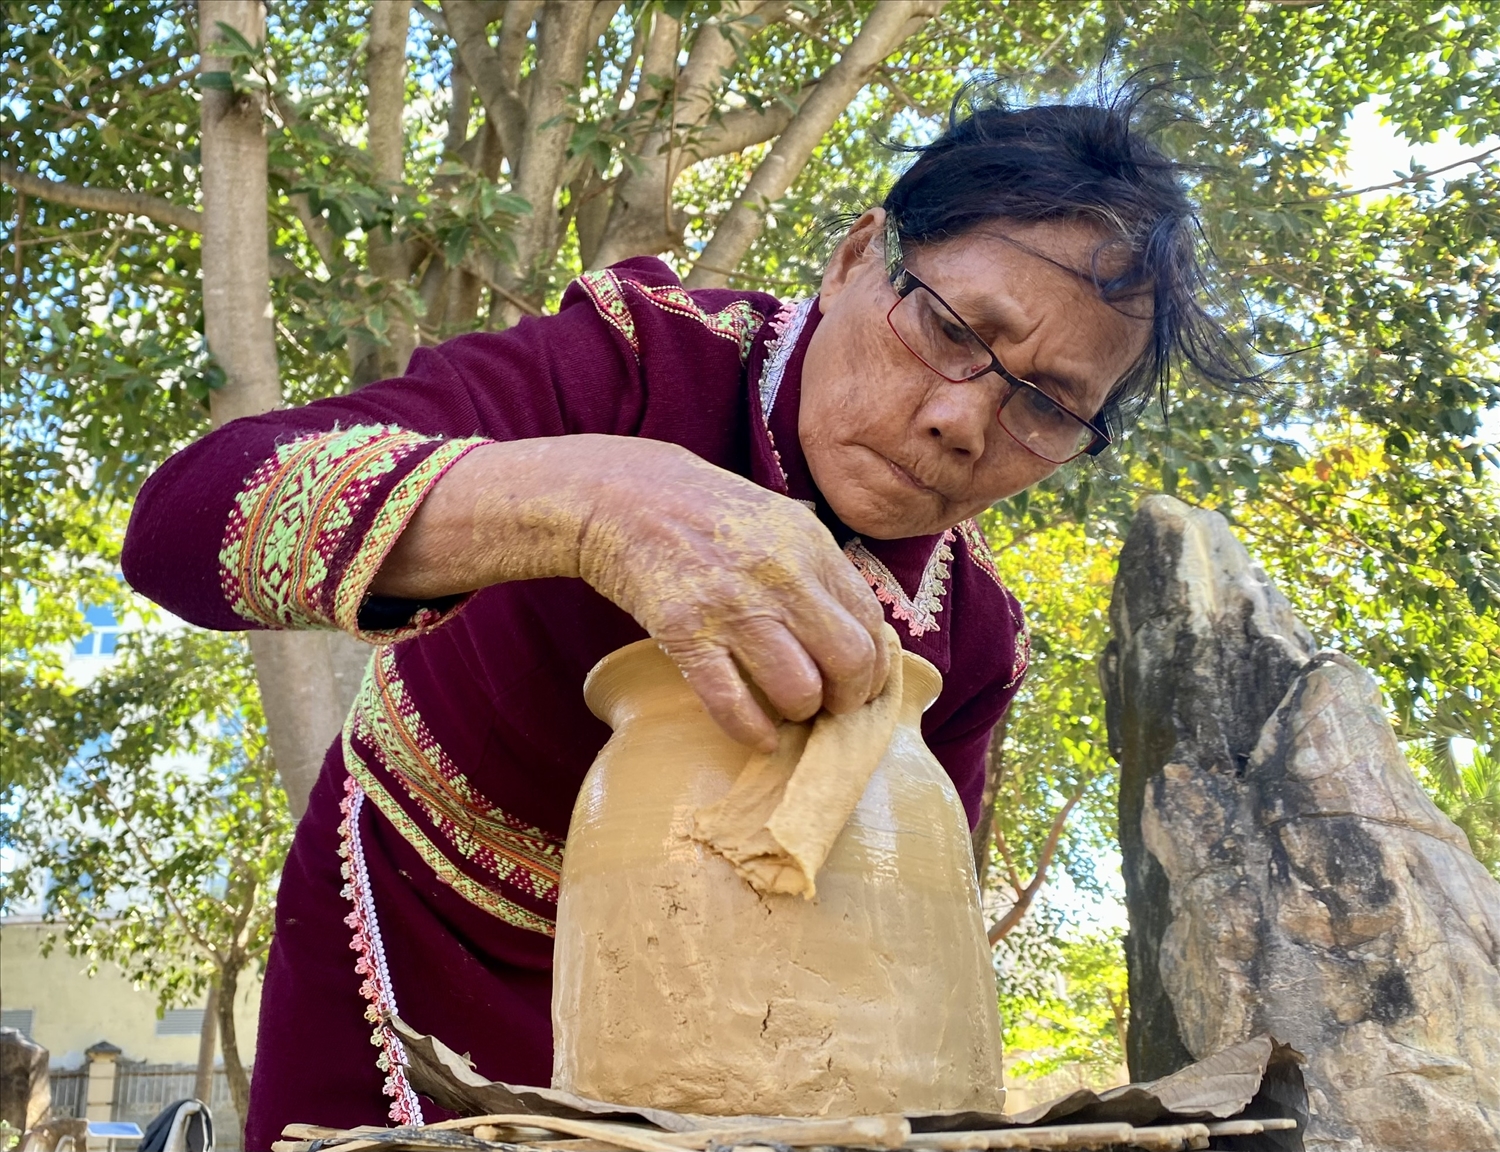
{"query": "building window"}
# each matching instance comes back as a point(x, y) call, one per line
point(18, 1018)
point(104, 633)
point(180, 1022)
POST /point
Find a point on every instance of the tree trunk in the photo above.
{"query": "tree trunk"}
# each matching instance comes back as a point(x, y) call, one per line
point(208, 1035)
point(562, 45)
point(234, 1069)
point(294, 669)
point(386, 79)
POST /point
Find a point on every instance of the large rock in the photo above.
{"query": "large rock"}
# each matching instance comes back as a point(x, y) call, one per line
point(25, 1090)
point(1284, 872)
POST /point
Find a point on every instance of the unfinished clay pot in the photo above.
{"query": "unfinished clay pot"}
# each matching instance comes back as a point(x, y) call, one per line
point(677, 985)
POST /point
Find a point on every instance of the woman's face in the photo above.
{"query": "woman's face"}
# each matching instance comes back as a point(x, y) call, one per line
point(895, 448)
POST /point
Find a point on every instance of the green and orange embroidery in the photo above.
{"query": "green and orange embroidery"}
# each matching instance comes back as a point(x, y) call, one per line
point(517, 855)
point(292, 517)
point(738, 323)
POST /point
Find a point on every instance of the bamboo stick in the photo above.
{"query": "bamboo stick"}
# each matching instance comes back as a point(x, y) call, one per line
point(507, 1133)
point(1250, 1127)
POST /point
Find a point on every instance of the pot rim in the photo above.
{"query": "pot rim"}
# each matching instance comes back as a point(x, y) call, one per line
point(920, 673)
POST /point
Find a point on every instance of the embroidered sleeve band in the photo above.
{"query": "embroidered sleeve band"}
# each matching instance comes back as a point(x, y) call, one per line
point(313, 524)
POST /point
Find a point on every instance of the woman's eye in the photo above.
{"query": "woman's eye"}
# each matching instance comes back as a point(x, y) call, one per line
point(954, 333)
point(1044, 409)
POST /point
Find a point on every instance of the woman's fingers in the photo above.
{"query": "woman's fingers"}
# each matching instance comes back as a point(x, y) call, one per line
point(841, 647)
point(735, 582)
point(780, 664)
point(712, 674)
point(854, 596)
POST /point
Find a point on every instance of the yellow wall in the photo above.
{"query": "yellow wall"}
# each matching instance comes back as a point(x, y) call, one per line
point(73, 1010)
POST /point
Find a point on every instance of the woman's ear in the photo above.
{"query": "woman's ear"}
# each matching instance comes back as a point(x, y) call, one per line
point(863, 243)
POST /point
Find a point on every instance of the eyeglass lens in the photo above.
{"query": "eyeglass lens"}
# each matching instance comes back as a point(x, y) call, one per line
point(935, 336)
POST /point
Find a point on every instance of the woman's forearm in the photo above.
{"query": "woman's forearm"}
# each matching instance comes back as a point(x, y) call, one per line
point(506, 511)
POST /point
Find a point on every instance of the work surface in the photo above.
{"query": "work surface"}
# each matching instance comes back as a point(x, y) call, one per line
point(1247, 1097)
point(514, 1133)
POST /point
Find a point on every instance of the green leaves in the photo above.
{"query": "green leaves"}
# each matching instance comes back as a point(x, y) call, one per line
point(247, 63)
point(152, 825)
point(1077, 1018)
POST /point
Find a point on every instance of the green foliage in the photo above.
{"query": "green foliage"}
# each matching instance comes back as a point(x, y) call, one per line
point(1468, 791)
point(1074, 1014)
point(1055, 745)
point(158, 837)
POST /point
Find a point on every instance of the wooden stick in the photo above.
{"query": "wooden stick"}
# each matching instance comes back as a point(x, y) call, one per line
point(1171, 1137)
point(1049, 1136)
point(621, 1135)
point(1250, 1127)
point(889, 1131)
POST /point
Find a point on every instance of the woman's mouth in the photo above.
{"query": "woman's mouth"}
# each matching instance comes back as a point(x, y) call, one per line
point(908, 479)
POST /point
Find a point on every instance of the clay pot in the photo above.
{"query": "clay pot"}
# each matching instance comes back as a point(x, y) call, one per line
point(677, 985)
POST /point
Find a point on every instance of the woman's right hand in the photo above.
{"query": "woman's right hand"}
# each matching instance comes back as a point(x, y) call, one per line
point(727, 576)
point(724, 574)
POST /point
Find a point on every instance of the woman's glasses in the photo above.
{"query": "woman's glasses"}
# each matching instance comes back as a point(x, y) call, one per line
point(941, 339)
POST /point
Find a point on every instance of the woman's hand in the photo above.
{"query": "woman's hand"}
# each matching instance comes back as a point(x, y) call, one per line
point(725, 575)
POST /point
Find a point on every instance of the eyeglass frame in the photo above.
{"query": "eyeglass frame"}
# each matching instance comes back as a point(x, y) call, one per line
point(904, 282)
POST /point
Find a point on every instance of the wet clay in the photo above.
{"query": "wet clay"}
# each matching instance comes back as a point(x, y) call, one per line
point(677, 984)
point(786, 808)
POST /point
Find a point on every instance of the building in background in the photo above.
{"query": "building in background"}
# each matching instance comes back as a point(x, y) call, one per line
point(100, 1027)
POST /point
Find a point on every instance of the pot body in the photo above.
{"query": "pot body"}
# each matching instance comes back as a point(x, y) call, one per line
point(677, 985)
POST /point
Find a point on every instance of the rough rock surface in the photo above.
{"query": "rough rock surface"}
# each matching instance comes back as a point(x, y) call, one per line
point(1284, 872)
point(25, 1092)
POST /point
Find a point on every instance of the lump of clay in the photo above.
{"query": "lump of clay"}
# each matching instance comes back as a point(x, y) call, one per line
point(677, 984)
point(786, 808)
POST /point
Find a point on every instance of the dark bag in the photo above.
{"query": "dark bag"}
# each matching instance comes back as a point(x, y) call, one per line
point(197, 1129)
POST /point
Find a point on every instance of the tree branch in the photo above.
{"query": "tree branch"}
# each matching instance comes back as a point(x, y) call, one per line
point(887, 26)
point(143, 854)
point(702, 76)
point(385, 81)
point(1012, 877)
point(660, 56)
point(537, 168)
point(515, 33)
point(486, 67)
point(983, 836)
point(1026, 895)
point(742, 128)
point(1478, 158)
point(482, 269)
point(91, 199)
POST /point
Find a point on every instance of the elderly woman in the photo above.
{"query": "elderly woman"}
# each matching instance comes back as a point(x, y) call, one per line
point(757, 484)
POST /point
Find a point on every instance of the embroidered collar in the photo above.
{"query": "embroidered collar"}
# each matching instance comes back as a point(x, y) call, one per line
point(919, 612)
point(787, 327)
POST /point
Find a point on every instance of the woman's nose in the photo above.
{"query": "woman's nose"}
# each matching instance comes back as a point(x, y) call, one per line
point(958, 417)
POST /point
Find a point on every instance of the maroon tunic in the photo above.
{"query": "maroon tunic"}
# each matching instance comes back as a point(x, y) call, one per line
point(433, 840)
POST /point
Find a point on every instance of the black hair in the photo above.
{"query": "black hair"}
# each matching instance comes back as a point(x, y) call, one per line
point(1094, 162)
